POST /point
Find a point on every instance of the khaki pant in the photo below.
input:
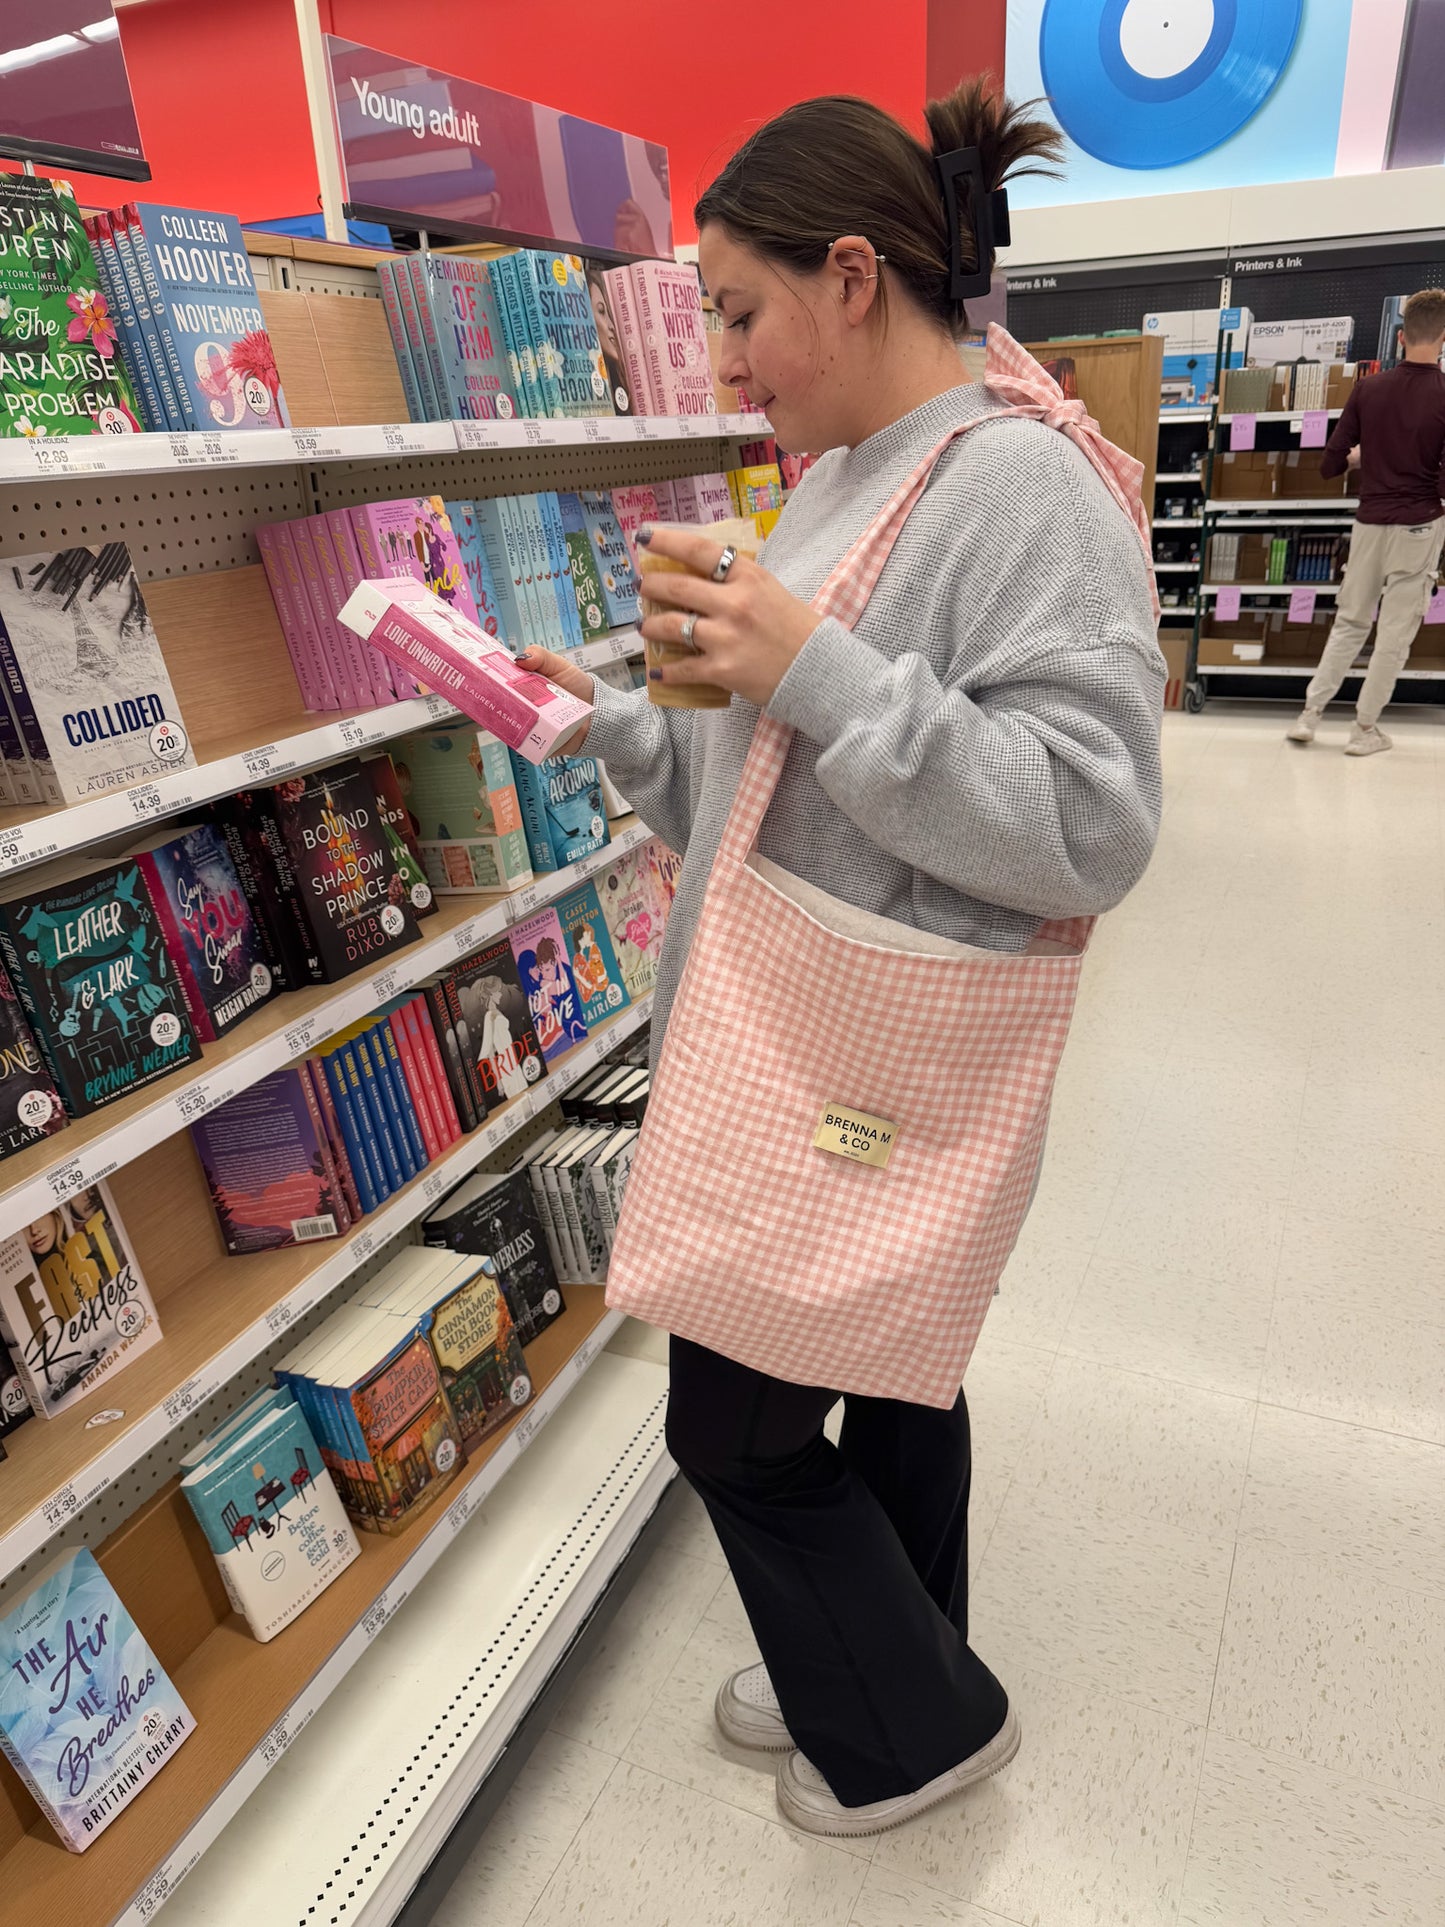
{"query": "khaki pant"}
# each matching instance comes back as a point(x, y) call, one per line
point(1394, 566)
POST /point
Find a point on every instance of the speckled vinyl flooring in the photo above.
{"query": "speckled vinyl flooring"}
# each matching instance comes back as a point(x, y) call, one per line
point(1208, 1524)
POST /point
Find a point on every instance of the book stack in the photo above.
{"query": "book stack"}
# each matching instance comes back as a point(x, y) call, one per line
point(88, 702)
point(314, 564)
point(657, 310)
point(562, 808)
point(1316, 558)
point(182, 307)
point(482, 340)
point(578, 1172)
point(74, 1308)
point(461, 797)
point(519, 545)
point(30, 1106)
point(51, 291)
point(270, 1512)
point(494, 1215)
point(88, 1715)
point(757, 491)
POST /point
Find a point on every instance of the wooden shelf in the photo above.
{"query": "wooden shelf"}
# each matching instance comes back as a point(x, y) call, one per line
point(219, 1312)
point(249, 1700)
point(91, 1148)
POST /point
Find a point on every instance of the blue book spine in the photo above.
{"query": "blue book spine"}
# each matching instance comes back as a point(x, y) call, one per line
point(357, 1128)
point(471, 343)
point(416, 340)
point(521, 346)
point(391, 1083)
point(377, 1102)
point(133, 351)
point(199, 277)
point(145, 322)
point(531, 557)
point(532, 799)
point(159, 340)
point(387, 273)
point(357, 1151)
point(405, 1106)
point(481, 582)
point(528, 265)
point(380, 1171)
point(561, 568)
point(428, 347)
point(506, 575)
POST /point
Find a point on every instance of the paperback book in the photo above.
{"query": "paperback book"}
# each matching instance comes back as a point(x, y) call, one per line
point(30, 1106)
point(198, 274)
point(88, 1716)
point(414, 537)
point(466, 527)
point(462, 796)
point(394, 1404)
point(89, 960)
point(562, 809)
point(546, 977)
point(77, 626)
point(495, 1216)
point(471, 346)
point(608, 339)
point(669, 315)
point(495, 1031)
point(14, 1399)
point(582, 566)
point(214, 939)
point(354, 896)
point(595, 970)
point(271, 1517)
point(399, 828)
point(269, 1167)
point(570, 356)
point(634, 919)
point(479, 1355)
point(74, 1307)
point(59, 370)
point(614, 560)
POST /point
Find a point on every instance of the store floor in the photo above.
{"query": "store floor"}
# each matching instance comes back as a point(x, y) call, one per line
point(1209, 1419)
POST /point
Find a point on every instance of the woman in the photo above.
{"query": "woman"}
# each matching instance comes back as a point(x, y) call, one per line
point(977, 755)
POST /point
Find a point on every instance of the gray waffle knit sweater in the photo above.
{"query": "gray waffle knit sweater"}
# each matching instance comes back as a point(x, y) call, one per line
point(982, 751)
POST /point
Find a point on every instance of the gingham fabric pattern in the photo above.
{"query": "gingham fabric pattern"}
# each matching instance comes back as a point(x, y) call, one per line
point(1032, 390)
point(737, 1232)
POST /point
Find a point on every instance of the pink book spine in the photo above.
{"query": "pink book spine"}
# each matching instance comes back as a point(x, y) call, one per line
point(620, 287)
point(366, 677)
point(372, 569)
point(432, 1057)
point(632, 507)
point(415, 1089)
point(418, 1029)
point(348, 562)
point(670, 503)
point(326, 1104)
point(293, 606)
point(679, 367)
point(323, 1144)
point(303, 534)
point(176, 945)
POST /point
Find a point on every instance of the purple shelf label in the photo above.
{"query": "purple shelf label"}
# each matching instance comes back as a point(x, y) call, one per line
point(1302, 605)
point(1314, 429)
point(1241, 432)
point(1226, 606)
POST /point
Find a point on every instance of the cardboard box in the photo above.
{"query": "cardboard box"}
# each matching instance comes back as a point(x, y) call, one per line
point(1229, 652)
point(1321, 339)
point(1174, 643)
point(1301, 476)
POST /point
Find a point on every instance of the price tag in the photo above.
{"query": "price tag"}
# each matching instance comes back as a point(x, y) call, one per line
point(531, 1425)
point(222, 450)
point(276, 1742)
point(299, 1037)
point(258, 762)
point(586, 1353)
point(437, 707)
point(1302, 605)
point(487, 434)
point(362, 1245)
point(494, 1135)
point(154, 1893)
point(201, 1098)
point(353, 733)
point(65, 1180)
point(182, 452)
point(385, 1609)
point(433, 1187)
point(687, 427)
point(459, 1513)
point(145, 800)
point(184, 1399)
point(10, 849)
point(57, 457)
point(60, 1506)
point(278, 1319)
point(592, 429)
point(524, 902)
point(643, 430)
point(383, 985)
point(402, 439)
point(305, 442)
point(464, 938)
point(1241, 432)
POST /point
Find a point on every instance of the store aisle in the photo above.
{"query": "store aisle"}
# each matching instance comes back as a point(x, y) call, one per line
point(1208, 1536)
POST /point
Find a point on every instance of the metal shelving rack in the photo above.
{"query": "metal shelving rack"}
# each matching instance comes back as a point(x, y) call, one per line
point(1182, 574)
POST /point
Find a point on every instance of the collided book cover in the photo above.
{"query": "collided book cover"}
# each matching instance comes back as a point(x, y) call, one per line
point(546, 975)
point(214, 939)
point(494, 1027)
point(30, 1106)
point(595, 969)
point(269, 1166)
point(210, 309)
point(88, 1716)
point(355, 897)
point(74, 1307)
point(91, 661)
point(89, 960)
point(60, 372)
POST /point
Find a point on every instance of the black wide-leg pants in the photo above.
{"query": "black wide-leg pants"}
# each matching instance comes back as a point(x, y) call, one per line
point(852, 1562)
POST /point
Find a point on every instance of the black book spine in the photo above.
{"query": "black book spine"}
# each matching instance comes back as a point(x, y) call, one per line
point(261, 900)
point(293, 914)
point(18, 976)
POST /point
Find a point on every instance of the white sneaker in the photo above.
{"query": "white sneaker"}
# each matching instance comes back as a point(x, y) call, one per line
point(1368, 742)
point(1304, 730)
point(807, 1800)
point(748, 1714)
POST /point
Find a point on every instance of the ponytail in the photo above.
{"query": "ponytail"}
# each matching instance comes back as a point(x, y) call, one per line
point(838, 165)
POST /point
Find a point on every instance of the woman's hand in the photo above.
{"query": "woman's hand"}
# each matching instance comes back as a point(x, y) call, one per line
point(749, 628)
point(566, 675)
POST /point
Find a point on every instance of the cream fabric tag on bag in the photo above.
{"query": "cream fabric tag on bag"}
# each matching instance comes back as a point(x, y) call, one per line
point(855, 1135)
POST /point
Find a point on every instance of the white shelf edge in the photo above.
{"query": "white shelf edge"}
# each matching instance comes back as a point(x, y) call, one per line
point(1280, 414)
point(125, 1451)
point(1174, 568)
point(1271, 588)
point(1305, 669)
point(617, 647)
point(1179, 475)
point(432, 1542)
point(1178, 521)
point(185, 1098)
point(1185, 415)
point(1334, 504)
point(82, 456)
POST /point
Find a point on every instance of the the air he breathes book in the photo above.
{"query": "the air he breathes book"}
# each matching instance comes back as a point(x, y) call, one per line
point(88, 1717)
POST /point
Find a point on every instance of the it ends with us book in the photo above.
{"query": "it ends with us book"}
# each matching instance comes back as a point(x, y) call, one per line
point(88, 1716)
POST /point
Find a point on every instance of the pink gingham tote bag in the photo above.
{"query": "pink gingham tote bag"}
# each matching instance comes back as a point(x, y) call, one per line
point(741, 1233)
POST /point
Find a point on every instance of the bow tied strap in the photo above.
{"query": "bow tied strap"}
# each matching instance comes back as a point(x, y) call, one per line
point(1032, 392)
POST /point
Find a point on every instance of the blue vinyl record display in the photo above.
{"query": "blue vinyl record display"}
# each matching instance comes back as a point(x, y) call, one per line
point(1152, 83)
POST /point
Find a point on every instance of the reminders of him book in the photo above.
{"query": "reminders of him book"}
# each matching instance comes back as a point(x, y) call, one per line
point(88, 1716)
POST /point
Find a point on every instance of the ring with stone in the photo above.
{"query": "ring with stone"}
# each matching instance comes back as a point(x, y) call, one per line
point(689, 628)
point(724, 563)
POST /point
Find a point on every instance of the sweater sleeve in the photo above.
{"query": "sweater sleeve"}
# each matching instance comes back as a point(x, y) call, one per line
point(1037, 786)
point(1336, 458)
point(648, 753)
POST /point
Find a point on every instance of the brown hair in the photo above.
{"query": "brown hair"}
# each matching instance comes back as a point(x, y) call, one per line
point(1424, 316)
point(838, 165)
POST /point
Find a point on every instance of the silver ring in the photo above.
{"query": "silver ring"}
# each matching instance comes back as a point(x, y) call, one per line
point(689, 629)
point(724, 563)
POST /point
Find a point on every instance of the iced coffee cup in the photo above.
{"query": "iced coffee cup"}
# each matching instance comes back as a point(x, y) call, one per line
point(742, 533)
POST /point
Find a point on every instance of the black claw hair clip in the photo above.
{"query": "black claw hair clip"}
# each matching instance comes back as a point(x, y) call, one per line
point(988, 220)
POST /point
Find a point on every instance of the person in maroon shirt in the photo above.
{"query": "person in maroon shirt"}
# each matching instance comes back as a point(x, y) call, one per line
point(1393, 431)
